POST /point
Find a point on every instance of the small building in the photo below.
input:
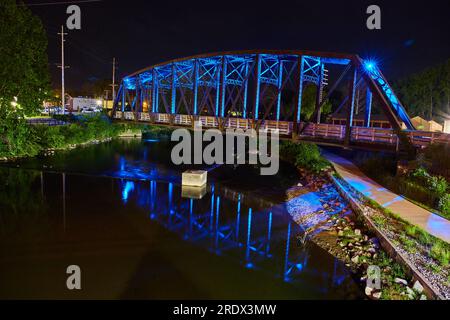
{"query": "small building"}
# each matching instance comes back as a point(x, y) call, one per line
point(79, 104)
point(420, 123)
point(434, 126)
point(425, 125)
point(447, 126)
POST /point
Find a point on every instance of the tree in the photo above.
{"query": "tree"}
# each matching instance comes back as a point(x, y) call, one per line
point(24, 78)
point(23, 58)
point(427, 93)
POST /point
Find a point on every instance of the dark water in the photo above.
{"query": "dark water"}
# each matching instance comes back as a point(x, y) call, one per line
point(117, 210)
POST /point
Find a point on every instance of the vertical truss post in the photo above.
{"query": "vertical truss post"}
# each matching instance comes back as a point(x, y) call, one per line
point(124, 94)
point(154, 91)
point(257, 86)
point(368, 107)
point(279, 85)
point(116, 101)
point(223, 84)
point(137, 101)
point(245, 84)
point(217, 83)
point(174, 91)
point(299, 77)
point(195, 87)
point(319, 93)
point(351, 107)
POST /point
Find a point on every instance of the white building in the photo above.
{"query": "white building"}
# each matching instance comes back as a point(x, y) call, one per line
point(80, 104)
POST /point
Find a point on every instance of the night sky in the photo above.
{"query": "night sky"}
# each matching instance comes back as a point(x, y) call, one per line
point(414, 34)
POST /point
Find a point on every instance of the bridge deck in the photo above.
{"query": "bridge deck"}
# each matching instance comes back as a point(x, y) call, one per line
point(321, 133)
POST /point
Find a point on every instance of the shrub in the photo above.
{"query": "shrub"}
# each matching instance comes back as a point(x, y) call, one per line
point(420, 174)
point(444, 205)
point(303, 155)
point(438, 185)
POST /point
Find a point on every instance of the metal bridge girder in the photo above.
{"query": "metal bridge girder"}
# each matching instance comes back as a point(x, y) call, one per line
point(217, 84)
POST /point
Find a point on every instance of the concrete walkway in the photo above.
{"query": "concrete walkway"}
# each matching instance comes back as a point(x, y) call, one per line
point(434, 224)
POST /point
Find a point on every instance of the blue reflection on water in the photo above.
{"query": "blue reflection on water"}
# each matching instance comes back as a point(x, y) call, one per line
point(127, 188)
point(214, 221)
point(143, 170)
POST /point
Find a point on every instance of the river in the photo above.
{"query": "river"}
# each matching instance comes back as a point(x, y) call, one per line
point(117, 211)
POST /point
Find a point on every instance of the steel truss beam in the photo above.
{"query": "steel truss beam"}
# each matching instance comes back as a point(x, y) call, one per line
point(217, 85)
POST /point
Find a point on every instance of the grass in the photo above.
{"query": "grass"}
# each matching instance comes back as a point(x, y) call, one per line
point(440, 252)
point(407, 233)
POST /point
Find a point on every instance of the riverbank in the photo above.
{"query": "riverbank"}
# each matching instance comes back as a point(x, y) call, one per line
point(79, 130)
point(426, 257)
point(342, 232)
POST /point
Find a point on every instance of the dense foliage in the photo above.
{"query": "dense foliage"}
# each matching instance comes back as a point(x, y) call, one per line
point(24, 76)
point(427, 94)
point(80, 130)
point(303, 155)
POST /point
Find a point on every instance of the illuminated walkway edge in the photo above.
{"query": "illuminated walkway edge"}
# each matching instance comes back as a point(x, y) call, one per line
point(414, 214)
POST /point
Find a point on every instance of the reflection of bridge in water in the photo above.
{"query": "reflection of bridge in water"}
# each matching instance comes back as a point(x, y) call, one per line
point(259, 238)
point(264, 90)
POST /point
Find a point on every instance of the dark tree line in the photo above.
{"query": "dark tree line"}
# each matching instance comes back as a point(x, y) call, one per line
point(427, 93)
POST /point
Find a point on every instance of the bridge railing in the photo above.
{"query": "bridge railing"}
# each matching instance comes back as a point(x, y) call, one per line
point(284, 127)
point(425, 138)
point(128, 115)
point(324, 130)
point(374, 135)
point(321, 131)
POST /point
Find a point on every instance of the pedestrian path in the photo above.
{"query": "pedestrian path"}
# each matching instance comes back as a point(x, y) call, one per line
point(414, 214)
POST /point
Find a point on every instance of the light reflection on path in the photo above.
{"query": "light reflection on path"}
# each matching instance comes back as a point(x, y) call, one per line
point(429, 221)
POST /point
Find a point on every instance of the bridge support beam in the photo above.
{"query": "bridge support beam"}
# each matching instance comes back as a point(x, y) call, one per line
point(217, 85)
point(124, 94)
point(279, 87)
point(245, 84)
point(195, 88)
point(298, 95)
point(223, 83)
point(137, 101)
point(257, 86)
point(154, 91)
point(173, 96)
point(319, 93)
point(351, 106)
point(368, 108)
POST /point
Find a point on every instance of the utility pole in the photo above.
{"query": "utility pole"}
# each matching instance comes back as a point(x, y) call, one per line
point(114, 80)
point(62, 66)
